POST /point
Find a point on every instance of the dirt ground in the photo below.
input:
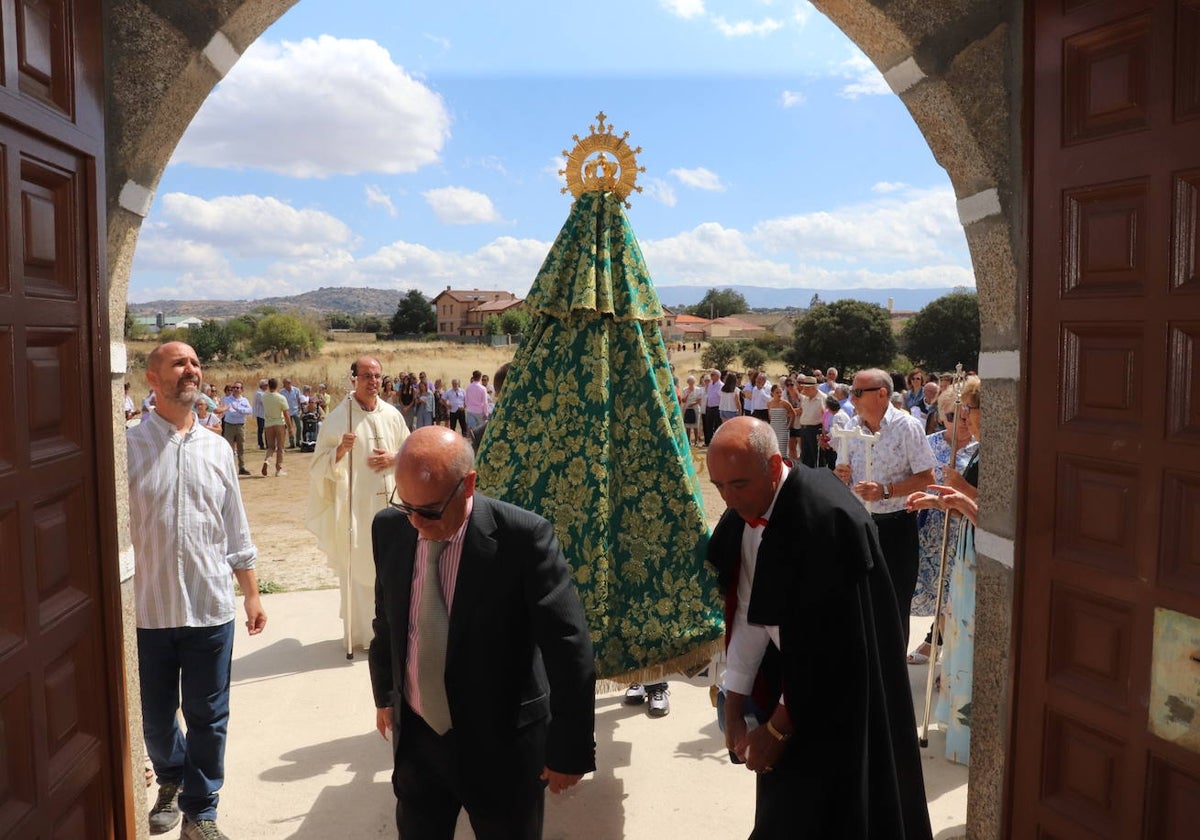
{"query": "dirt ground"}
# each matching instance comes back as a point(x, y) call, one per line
point(288, 558)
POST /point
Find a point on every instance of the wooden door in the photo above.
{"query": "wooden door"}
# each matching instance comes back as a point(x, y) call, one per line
point(61, 695)
point(1111, 500)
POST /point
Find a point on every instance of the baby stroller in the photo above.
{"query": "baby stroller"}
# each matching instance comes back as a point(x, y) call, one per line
point(308, 431)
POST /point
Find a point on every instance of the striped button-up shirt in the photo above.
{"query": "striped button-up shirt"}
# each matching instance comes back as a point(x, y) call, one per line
point(188, 525)
point(448, 562)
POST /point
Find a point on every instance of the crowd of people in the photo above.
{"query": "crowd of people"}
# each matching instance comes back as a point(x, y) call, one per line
point(392, 486)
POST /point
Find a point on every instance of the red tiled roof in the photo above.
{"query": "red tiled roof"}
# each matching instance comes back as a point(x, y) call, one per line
point(496, 305)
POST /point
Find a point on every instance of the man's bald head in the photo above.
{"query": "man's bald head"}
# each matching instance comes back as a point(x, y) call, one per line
point(745, 466)
point(435, 471)
point(437, 453)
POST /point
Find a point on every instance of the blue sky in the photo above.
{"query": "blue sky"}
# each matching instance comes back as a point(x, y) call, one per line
point(416, 145)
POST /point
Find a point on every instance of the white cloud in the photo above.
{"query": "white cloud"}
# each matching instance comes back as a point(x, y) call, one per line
point(461, 206)
point(442, 43)
point(505, 263)
point(375, 195)
point(742, 28)
point(917, 226)
point(888, 186)
point(686, 9)
point(792, 98)
point(712, 255)
point(660, 191)
point(867, 80)
point(317, 107)
point(699, 179)
point(252, 225)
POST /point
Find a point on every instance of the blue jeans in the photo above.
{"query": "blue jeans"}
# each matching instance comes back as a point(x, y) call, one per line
point(196, 659)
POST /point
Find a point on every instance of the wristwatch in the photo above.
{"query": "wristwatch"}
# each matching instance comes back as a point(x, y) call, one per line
point(887, 491)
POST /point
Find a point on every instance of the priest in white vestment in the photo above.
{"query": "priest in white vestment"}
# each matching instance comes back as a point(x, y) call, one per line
point(359, 437)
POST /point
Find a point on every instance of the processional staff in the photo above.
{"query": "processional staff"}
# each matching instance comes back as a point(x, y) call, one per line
point(348, 625)
point(936, 636)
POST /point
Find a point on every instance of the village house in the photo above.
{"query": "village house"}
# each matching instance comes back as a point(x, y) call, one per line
point(158, 322)
point(453, 307)
point(473, 328)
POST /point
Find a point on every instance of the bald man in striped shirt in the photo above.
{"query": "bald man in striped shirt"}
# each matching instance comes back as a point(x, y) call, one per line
point(190, 539)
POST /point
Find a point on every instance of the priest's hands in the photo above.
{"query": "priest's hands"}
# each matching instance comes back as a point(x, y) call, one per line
point(346, 445)
point(559, 781)
point(381, 460)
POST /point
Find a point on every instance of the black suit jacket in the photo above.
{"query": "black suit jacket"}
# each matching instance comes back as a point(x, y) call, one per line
point(520, 673)
point(822, 578)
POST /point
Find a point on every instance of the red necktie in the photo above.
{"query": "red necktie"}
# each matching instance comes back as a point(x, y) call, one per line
point(757, 523)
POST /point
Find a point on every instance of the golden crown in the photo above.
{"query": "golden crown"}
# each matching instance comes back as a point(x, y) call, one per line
point(589, 167)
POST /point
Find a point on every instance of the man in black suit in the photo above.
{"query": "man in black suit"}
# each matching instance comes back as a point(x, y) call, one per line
point(481, 664)
point(799, 562)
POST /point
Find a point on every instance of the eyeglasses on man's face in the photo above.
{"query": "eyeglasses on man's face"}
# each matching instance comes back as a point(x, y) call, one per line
point(858, 392)
point(432, 514)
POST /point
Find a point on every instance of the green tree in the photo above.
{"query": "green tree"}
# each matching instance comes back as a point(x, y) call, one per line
point(492, 325)
point(286, 333)
point(945, 333)
point(368, 324)
point(340, 321)
point(847, 334)
point(753, 357)
point(414, 315)
point(515, 321)
point(210, 340)
point(717, 303)
point(719, 353)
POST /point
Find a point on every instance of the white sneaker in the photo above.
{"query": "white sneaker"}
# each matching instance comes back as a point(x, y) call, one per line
point(279, 473)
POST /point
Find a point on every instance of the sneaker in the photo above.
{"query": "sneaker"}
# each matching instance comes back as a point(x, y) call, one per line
point(660, 706)
point(264, 470)
point(201, 830)
point(635, 695)
point(165, 814)
point(243, 471)
point(279, 473)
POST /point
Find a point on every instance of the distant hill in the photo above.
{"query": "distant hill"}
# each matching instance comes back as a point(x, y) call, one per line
point(351, 300)
point(356, 300)
point(761, 297)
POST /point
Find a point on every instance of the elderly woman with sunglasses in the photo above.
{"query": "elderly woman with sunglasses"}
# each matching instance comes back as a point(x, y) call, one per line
point(955, 437)
point(958, 496)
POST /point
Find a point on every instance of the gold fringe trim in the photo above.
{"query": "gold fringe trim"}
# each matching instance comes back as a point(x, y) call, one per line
point(692, 661)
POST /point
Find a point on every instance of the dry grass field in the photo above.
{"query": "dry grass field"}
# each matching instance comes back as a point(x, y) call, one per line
point(288, 556)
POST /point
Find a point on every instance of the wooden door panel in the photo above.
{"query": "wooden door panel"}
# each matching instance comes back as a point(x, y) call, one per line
point(1185, 231)
point(1091, 646)
point(1179, 555)
point(1111, 504)
point(60, 683)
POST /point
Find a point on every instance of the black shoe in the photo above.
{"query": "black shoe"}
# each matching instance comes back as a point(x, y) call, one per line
point(165, 814)
point(635, 695)
point(243, 471)
point(660, 706)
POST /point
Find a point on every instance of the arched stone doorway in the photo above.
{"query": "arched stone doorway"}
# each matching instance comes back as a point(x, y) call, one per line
point(956, 65)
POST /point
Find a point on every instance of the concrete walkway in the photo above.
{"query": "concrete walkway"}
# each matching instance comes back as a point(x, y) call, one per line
point(305, 762)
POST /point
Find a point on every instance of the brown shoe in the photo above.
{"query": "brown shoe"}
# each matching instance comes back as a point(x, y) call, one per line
point(264, 470)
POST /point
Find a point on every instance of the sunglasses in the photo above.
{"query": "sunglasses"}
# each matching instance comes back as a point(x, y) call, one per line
point(858, 392)
point(431, 514)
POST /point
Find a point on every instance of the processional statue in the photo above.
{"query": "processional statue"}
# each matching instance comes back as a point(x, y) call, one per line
point(588, 433)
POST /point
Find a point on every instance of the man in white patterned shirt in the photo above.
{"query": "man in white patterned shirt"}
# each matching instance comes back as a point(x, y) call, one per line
point(901, 462)
point(189, 533)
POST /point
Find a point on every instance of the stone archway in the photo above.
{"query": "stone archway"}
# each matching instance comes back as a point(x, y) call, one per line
point(955, 64)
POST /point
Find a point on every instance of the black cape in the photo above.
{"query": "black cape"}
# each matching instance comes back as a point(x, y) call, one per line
point(821, 577)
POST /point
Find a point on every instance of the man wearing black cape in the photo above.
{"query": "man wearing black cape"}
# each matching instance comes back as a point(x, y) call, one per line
point(815, 650)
